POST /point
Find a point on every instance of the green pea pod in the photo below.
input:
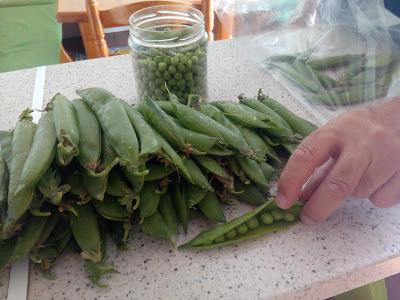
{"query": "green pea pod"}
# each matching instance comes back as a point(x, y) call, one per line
point(211, 165)
point(6, 251)
point(234, 166)
point(250, 194)
point(167, 106)
point(380, 60)
point(252, 170)
point(193, 194)
point(61, 230)
point(269, 171)
point(117, 186)
point(96, 187)
point(111, 209)
point(199, 122)
point(168, 213)
point(352, 69)
point(255, 141)
point(38, 161)
point(86, 232)
point(148, 141)
point(289, 147)
point(283, 57)
point(155, 225)
point(370, 75)
point(326, 81)
point(4, 176)
point(198, 177)
point(136, 180)
point(219, 150)
point(67, 129)
point(211, 208)
point(5, 144)
point(180, 205)
point(271, 153)
point(89, 135)
point(49, 186)
point(299, 125)
point(21, 144)
point(115, 124)
point(239, 229)
point(331, 62)
point(118, 232)
point(28, 237)
point(74, 179)
point(158, 171)
point(149, 199)
point(161, 122)
point(174, 158)
point(51, 224)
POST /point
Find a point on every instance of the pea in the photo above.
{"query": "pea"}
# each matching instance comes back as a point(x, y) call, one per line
point(197, 69)
point(166, 75)
point(220, 239)
point(152, 66)
point(181, 68)
point(175, 60)
point(277, 214)
point(195, 60)
point(171, 83)
point(160, 82)
point(231, 234)
point(172, 69)
point(188, 76)
point(158, 59)
point(190, 84)
point(267, 218)
point(167, 60)
point(189, 54)
point(253, 223)
point(181, 83)
point(288, 217)
point(162, 66)
point(178, 76)
point(199, 53)
point(189, 64)
point(183, 59)
point(242, 228)
point(153, 52)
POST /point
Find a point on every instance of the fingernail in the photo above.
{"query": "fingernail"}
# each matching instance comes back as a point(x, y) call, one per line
point(306, 220)
point(282, 201)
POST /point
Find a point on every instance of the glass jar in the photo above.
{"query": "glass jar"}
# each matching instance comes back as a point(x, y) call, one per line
point(169, 52)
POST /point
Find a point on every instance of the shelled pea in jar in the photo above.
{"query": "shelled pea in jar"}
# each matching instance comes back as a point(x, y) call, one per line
point(169, 52)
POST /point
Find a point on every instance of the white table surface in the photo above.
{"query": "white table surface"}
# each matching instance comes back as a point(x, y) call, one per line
point(357, 245)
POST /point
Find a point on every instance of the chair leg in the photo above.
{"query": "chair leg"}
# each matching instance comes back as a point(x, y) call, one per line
point(64, 57)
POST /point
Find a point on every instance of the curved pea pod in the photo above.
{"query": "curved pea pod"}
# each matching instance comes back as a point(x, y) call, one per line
point(6, 251)
point(168, 213)
point(95, 187)
point(38, 161)
point(21, 144)
point(155, 225)
point(181, 205)
point(149, 199)
point(248, 226)
point(333, 61)
point(255, 142)
point(3, 187)
point(111, 209)
point(67, 129)
point(211, 208)
point(148, 141)
point(115, 124)
point(161, 122)
point(352, 69)
point(250, 194)
point(269, 171)
point(252, 170)
point(89, 135)
point(242, 114)
point(86, 232)
point(197, 175)
point(49, 186)
point(273, 116)
point(167, 106)
point(50, 225)
point(299, 125)
point(61, 230)
point(199, 122)
point(28, 237)
point(174, 158)
point(192, 194)
point(5, 146)
point(220, 150)
point(158, 171)
point(234, 166)
point(211, 165)
point(199, 141)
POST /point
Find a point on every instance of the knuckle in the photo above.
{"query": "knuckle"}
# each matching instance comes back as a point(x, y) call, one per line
point(366, 187)
point(338, 186)
point(305, 153)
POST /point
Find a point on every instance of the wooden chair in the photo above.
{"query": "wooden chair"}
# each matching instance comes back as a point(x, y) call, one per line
point(119, 16)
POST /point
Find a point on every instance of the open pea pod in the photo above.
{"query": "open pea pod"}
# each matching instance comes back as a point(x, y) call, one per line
point(257, 222)
point(110, 208)
point(67, 130)
point(85, 229)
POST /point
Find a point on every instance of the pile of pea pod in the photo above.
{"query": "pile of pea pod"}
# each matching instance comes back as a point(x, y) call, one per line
point(95, 166)
point(341, 80)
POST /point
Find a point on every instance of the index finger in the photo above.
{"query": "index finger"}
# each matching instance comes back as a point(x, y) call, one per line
point(313, 152)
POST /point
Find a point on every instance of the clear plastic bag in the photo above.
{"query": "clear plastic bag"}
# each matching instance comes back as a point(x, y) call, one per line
point(331, 55)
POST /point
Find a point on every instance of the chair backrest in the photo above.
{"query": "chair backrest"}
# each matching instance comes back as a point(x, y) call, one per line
point(119, 16)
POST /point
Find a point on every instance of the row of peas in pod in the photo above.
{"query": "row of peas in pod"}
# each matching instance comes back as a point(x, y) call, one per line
point(180, 70)
point(94, 167)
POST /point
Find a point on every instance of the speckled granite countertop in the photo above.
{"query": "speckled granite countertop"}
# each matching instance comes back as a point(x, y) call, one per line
point(357, 245)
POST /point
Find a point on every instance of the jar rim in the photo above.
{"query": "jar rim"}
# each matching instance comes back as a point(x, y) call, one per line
point(193, 16)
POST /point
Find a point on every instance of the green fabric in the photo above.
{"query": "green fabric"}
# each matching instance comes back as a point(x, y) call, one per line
point(30, 35)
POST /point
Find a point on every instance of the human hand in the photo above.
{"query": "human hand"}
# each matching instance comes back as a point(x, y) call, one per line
point(356, 154)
